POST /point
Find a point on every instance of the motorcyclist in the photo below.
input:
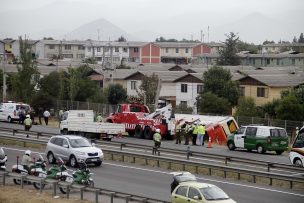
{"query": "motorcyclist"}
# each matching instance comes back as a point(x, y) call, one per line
point(26, 160)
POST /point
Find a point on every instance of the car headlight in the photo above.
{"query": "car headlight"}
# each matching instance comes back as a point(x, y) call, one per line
point(100, 153)
point(80, 153)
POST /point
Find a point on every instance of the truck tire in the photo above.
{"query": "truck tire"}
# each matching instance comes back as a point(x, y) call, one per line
point(138, 132)
point(148, 134)
point(64, 131)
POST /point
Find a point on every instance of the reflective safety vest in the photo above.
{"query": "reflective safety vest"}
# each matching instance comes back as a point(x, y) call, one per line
point(178, 128)
point(157, 137)
point(201, 130)
point(195, 129)
point(28, 122)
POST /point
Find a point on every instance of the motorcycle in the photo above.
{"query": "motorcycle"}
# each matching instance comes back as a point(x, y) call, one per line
point(83, 175)
point(35, 169)
point(3, 159)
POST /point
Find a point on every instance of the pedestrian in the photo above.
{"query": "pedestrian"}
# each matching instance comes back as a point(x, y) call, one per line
point(178, 132)
point(157, 138)
point(40, 114)
point(200, 134)
point(21, 114)
point(194, 133)
point(60, 114)
point(99, 118)
point(46, 115)
point(27, 124)
point(188, 133)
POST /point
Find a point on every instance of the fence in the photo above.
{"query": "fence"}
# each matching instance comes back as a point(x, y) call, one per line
point(106, 109)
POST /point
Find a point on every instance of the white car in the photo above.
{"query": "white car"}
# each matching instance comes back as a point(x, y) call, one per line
point(9, 111)
point(73, 149)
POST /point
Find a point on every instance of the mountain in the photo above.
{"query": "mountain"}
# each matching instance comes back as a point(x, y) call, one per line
point(100, 29)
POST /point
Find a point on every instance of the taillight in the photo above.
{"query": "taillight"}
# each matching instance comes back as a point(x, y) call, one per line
point(269, 140)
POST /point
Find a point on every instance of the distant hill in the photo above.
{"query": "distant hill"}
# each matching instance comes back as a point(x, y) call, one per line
point(105, 29)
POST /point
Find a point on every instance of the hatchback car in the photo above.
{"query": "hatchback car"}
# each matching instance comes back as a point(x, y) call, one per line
point(73, 149)
point(192, 191)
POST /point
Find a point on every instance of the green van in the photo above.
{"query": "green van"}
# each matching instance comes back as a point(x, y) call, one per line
point(260, 138)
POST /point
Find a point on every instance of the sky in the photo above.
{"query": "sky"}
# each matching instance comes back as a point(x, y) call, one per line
point(254, 20)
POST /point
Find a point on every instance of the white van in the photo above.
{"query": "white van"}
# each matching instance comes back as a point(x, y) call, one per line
point(296, 154)
point(9, 111)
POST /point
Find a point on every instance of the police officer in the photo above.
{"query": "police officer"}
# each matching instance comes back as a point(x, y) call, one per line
point(178, 132)
point(201, 133)
point(157, 138)
point(27, 124)
point(188, 133)
point(194, 133)
point(26, 160)
point(99, 118)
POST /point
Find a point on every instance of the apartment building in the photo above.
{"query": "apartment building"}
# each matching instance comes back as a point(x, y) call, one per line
point(282, 47)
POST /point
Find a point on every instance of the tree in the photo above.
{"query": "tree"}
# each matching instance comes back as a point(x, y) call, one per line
point(289, 108)
point(211, 103)
point(50, 84)
point(228, 55)
point(301, 38)
point(246, 107)
point(268, 42)
point(162, 39)
point(48, 38)
point(122, 39)
point(148, 88)
point(270, 108)
point(218, 81)
point(26, 79)
point(183, 109)
point(116, 94)
point(295, 40)
point(244, 46)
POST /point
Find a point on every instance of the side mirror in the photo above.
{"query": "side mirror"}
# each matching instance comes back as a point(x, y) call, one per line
point(66, 146)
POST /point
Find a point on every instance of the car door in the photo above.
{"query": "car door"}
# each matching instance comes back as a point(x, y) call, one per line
point(60, 150)
point(194, 195)
point(250, 137)
point(239, 137)
point(179, 195)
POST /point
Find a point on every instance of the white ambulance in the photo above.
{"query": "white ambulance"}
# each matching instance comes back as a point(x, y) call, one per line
point(9, 111)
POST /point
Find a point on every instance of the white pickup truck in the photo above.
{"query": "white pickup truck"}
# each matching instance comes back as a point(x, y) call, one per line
point(82, 122)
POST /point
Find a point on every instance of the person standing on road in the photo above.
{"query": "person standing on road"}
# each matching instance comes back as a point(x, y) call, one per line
point(46, 115)
point(27, 124)
point(188, 133)
point(178, 132)
point(40, 114)
point(157, 138)
point(99, 118)
point(194, 133)
point(201, 133)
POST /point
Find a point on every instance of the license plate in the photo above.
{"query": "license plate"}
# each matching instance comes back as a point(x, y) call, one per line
point(283, 142)
point(93, 159)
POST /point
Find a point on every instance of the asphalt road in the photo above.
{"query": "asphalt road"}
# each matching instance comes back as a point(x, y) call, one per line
point(155, 183)
point(219, 150)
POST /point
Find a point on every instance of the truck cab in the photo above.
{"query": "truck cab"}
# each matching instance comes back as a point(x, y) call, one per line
point(296, 154)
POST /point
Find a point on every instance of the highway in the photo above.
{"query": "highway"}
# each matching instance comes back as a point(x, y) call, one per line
point(155, 183)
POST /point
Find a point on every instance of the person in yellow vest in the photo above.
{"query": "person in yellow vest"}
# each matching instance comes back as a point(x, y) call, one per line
point(200, 134)
point(157, 138)
point(178, 132)
point(99, 118)
point(27, 124)
point(194, 133)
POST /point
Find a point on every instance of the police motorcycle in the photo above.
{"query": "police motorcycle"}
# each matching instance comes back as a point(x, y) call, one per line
point(35, 169)
point(83, 175)
point(3, 159)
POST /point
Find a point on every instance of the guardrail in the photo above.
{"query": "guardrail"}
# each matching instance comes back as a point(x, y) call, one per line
point(81, 188)
point(189, 165)
point(188, 153)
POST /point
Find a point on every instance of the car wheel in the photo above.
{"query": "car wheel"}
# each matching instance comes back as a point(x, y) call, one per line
point(73, 161)
point(148, 133)
point(98, 163)
point(260, 149)
point(9, 119)
point(279, 152)
point(231, 145)
point(298, 162)
point(64, 131)
point(50, 157)
point(138, 132)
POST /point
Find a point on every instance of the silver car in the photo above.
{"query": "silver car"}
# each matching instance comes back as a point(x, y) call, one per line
point(73, 149)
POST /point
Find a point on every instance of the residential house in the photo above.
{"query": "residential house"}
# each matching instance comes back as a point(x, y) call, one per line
point(31, 43)
point(282, 47)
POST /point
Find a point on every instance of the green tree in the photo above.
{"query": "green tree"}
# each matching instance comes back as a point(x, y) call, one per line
point(148, 88)
point(289, 108)
point(26, 79)
point(211, 103)
point(116, 94)
point(183, 109)
point(122, 39)
point(270, 108)
point(268, 42)
point(246, 107)
point(228, 55)
point(244, 46)
point(50, 84)
point(218, 81)
point(301, 38)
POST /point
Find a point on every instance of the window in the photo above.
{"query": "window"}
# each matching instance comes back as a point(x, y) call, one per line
point(89, 49)
point(176, 50)
point(299, 143)
point(251, 131)
point(67, 47)
point(51, 46)
point(116, 49)
point(182, 190)
point(293, 61)
point(199, 89)
point(58, 141)
point(64, 142)
point(268, 61)
point(242, 91)
point(80, 47)
point(262, 92)
point(278, 62)
point(193, 192)
point(136, 50)
point(183, 103)
point(125, 49)
point(184, 88)
point(167, 50)
point(98, 49)
point(187, 50)
point(278, 133)
point(133, 85)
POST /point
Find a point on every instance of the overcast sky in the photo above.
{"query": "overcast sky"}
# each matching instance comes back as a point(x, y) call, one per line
point(254, 20)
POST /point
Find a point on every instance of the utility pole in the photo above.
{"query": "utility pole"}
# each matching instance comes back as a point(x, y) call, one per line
point(208, 33)
point(201, 35)
point(4, 78)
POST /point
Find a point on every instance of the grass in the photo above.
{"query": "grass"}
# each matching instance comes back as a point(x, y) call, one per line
point(11, 194)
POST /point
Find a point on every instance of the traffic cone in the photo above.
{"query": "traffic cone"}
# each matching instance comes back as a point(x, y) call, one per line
point(209, 143)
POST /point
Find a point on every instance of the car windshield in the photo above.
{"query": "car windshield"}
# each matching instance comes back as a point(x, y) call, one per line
point(213, 193)
point(76, 143)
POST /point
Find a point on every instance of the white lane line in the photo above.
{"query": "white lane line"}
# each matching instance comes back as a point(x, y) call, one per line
point(211, 180)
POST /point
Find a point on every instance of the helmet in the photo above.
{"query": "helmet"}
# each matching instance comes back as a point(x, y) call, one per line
point(297, 128)
point(28, 152)
point(28, 116)
point(157, 130)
